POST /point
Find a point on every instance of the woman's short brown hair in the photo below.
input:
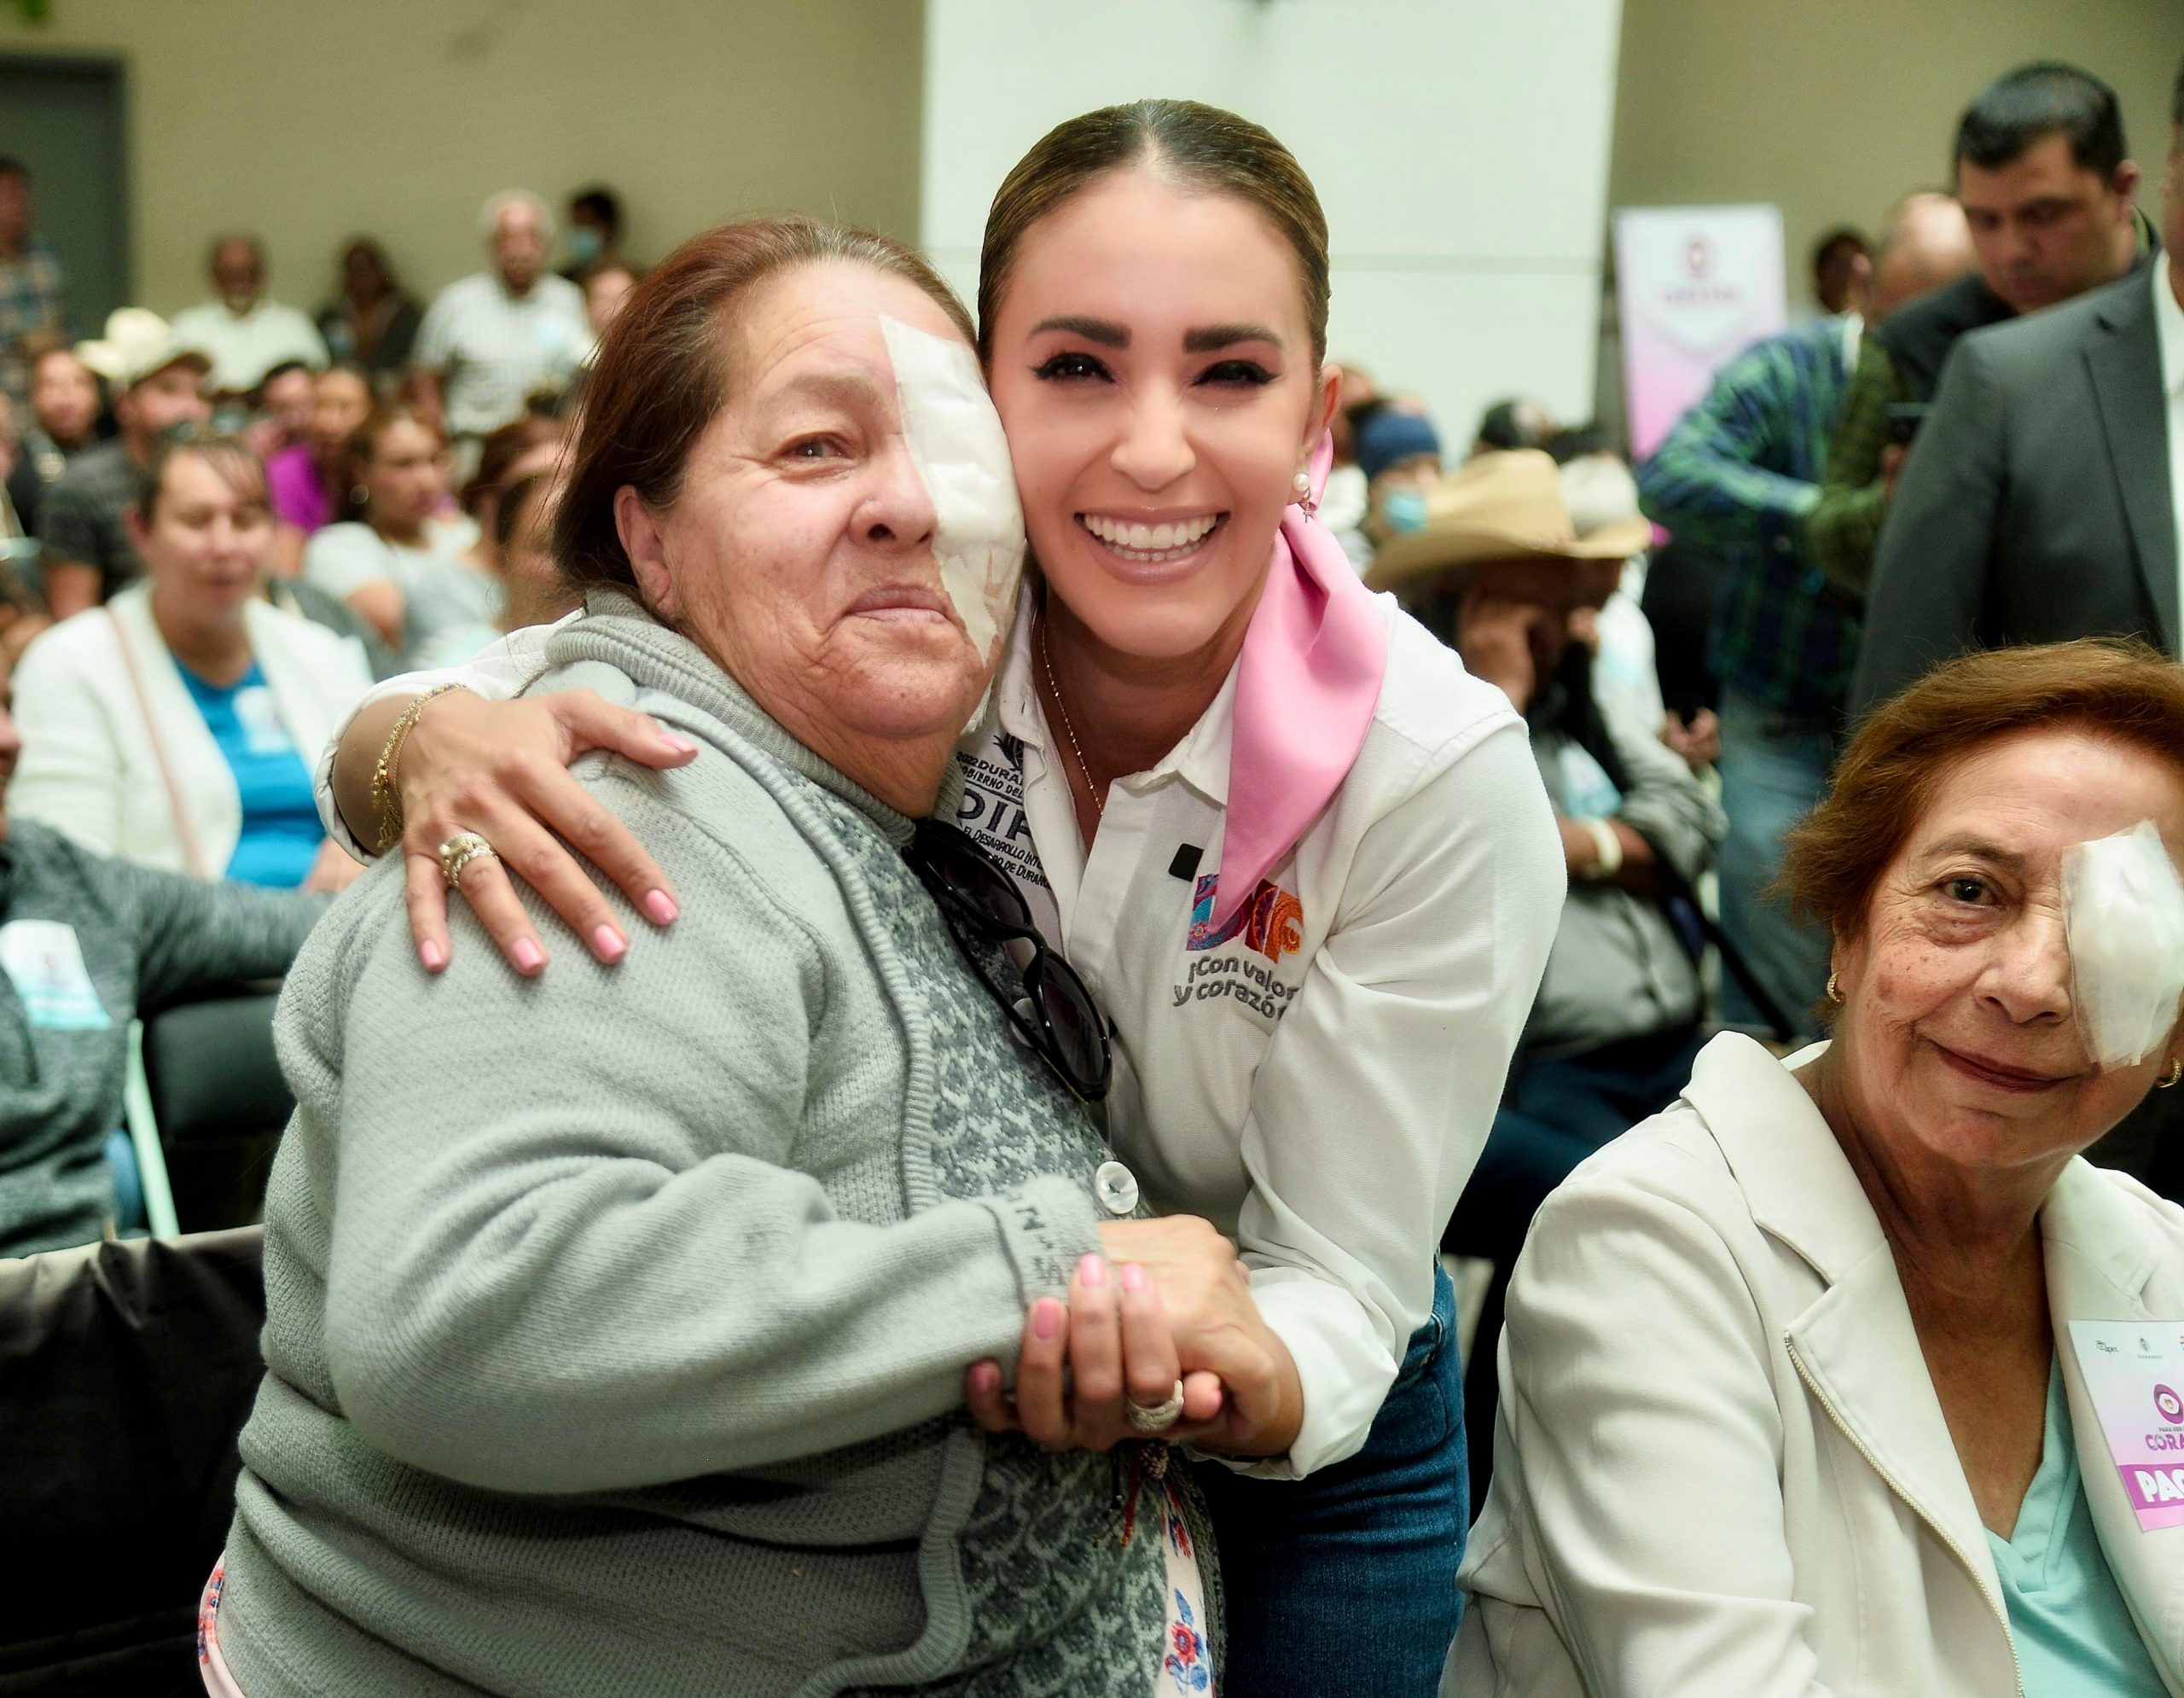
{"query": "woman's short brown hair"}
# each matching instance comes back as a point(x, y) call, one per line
point(2120, 689)
point(1201, 146)
point(662, 372)
point(229, 458)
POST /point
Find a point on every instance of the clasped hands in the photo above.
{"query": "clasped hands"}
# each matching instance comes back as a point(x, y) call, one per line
point(1167, 1300)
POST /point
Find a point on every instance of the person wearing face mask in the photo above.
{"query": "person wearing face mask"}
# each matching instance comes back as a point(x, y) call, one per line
point(391, 557)
point(1847, 1372)
point(1399, 452)
point(166, 727)
point(1304, 861)
point(157, 381)
point(594, 243)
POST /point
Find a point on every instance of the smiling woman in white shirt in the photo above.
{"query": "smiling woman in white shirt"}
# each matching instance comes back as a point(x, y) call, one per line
point(1303, 859)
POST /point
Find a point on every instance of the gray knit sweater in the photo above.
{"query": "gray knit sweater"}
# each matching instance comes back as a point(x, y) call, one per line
point(616, 1320)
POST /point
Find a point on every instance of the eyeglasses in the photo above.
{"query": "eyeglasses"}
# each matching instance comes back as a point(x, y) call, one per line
point(1056, 1017)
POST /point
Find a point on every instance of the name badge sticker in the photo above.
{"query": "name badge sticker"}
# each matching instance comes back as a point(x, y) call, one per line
point(45, 964)
point(263, 733)
point(2133, 1372)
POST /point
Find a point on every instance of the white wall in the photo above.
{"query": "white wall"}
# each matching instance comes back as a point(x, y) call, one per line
point(311, 120)
point(1459, 147)
point(1832, 110)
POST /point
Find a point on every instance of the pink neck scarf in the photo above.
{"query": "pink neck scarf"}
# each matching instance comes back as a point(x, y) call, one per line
point(1307, 685)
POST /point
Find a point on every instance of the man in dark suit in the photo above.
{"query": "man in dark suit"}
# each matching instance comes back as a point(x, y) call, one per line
point(2040, 169)
point(2040, 502)
point(2043, 501)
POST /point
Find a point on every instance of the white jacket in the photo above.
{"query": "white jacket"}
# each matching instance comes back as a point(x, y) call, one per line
point(89, 768)
point(1719, 1466)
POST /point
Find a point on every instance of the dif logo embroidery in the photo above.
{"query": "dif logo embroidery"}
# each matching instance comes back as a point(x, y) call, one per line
point(1271, 922)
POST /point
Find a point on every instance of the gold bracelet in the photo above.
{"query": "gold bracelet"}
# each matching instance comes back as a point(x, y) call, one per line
point(387, 796)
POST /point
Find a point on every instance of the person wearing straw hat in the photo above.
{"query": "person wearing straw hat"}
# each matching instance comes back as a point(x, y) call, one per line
point(1499, 571)
point(157, 378)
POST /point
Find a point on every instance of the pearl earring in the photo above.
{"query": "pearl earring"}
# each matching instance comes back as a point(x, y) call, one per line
point(1301, 483)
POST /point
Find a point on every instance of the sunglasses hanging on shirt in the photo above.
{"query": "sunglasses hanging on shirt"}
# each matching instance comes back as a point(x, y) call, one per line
point(1055, 1015)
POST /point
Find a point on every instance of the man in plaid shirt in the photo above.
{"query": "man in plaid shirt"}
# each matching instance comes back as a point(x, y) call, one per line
point(32, 318)
point(1737, 477)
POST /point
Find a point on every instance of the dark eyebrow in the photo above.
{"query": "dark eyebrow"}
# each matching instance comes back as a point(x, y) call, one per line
point(1107, 334)
point(1215, 337)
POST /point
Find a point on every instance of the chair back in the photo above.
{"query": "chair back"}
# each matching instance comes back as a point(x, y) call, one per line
point(126, 1371)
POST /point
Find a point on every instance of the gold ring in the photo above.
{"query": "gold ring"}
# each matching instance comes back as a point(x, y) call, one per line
point(1154, 1418)
point(459, 851)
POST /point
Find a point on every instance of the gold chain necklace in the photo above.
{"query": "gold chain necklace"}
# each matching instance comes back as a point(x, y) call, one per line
point(1098, 801)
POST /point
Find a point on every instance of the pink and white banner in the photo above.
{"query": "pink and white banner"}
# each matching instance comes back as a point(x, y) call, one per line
point(1696, 286)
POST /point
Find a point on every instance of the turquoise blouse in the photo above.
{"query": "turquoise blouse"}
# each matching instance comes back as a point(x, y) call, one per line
point(2073, 1631)
point(281, 831)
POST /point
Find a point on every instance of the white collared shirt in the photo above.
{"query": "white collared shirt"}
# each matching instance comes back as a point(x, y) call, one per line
point(244, 346)
point(2169, 333)
point(1320, 1082)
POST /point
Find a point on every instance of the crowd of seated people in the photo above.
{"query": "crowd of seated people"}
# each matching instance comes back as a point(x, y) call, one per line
point(1787, 1385)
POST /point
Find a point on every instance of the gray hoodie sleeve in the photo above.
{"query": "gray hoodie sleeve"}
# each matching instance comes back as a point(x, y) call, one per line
point(196, 934)
point(548, 1274)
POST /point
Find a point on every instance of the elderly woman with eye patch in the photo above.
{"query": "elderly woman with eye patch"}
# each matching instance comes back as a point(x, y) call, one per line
point(617, 1326)
point(1847, 1373)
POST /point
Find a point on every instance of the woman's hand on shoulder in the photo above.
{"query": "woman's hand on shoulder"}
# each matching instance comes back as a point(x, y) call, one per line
point(499, 768)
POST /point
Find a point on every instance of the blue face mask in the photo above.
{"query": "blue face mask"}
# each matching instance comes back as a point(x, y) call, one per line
point(1403, 510)
point(585, 245)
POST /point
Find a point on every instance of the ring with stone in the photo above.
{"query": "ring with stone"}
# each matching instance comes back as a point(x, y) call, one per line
point(459, 851)
point(1155, 1418)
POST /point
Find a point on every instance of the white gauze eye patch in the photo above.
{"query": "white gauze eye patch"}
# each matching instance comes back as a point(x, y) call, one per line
point(2123, 914)
point(955, 439)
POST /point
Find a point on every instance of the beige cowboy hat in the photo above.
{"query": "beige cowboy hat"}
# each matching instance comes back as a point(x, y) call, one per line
point(1504, 505)
point(138, 344)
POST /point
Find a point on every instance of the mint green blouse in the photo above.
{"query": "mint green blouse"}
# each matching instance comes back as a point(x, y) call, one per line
point(2073, 1631)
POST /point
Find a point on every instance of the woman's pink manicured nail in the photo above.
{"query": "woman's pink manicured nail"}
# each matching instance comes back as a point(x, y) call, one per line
point(660, 907)
point(611, 943)
point(1046, 1318)
point(529, 957)
point(986, 1377)
point(1133, 1276)
point(432, 954)
point(680, 745)
point(1091, 1271)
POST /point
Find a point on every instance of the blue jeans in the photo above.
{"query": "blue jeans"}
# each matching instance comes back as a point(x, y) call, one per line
point(1773, 775)
point(1345, 1581)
